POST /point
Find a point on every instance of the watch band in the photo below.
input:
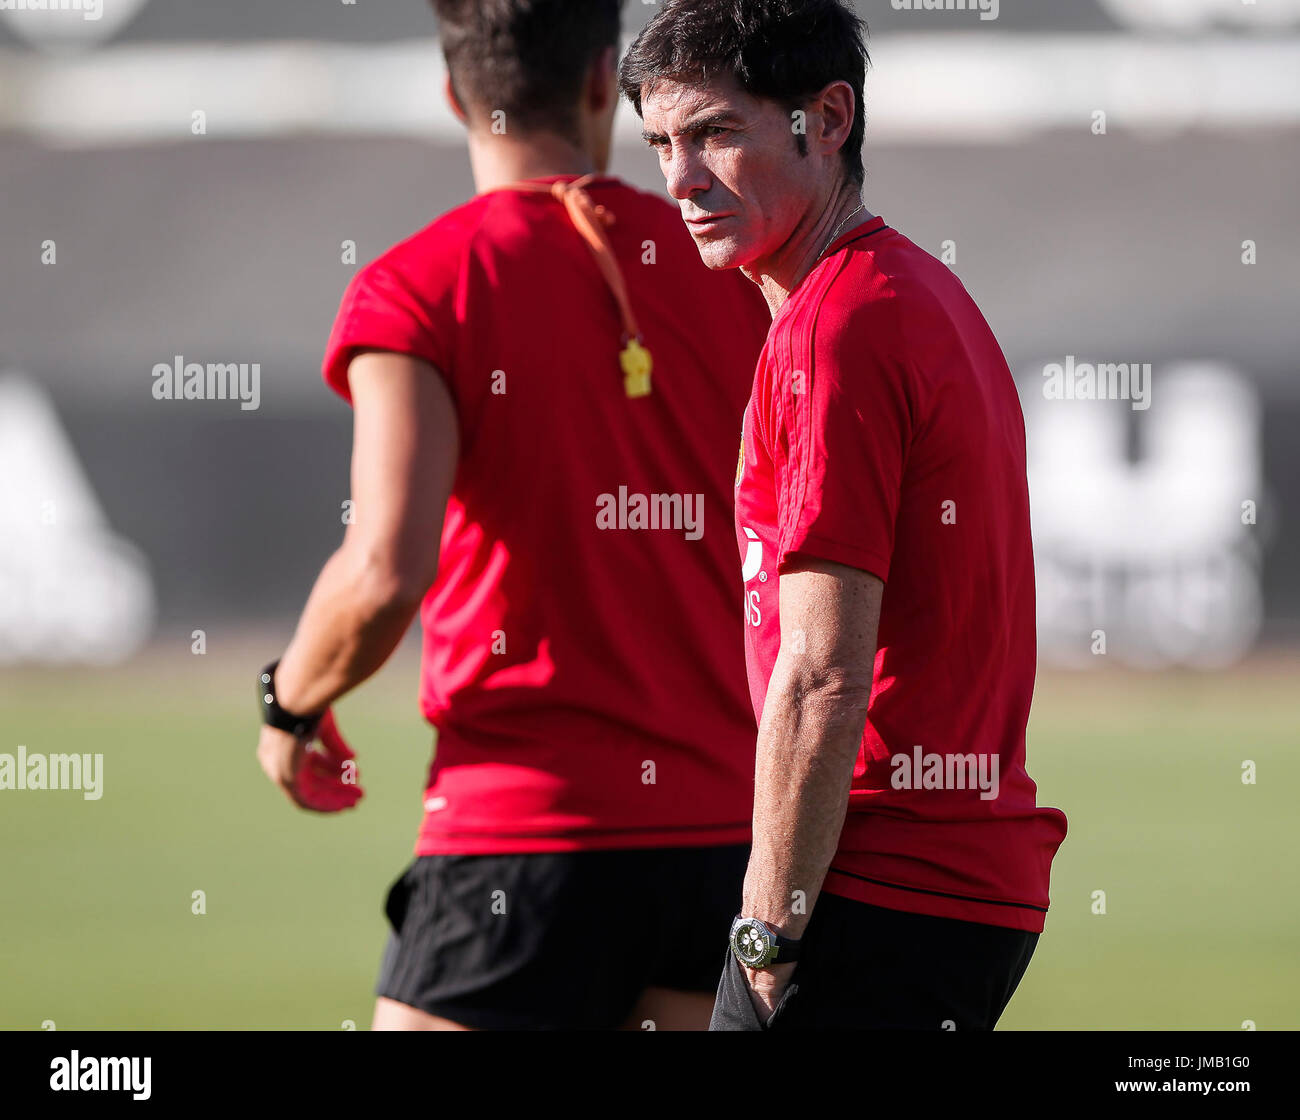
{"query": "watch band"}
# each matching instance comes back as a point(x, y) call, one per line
point(275, 716)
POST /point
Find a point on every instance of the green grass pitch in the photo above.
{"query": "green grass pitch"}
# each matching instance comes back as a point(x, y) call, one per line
point(1198, 869)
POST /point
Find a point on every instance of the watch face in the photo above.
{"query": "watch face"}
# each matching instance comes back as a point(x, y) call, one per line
point(752, 942)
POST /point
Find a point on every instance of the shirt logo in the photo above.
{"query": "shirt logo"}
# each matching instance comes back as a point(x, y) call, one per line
point(753, 556)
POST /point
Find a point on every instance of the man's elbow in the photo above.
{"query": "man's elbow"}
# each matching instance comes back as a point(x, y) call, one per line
point(386, 586)
point(843, 692)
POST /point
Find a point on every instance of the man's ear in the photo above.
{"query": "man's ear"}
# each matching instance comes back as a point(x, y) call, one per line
point(837, 106)
point(602, 80)
point(450, 92)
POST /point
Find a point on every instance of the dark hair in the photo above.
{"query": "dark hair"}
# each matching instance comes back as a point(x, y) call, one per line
point(783, 50)
point(526, 57)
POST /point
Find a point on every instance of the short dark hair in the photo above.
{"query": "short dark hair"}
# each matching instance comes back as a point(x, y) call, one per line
point(783, 50)
point(526, 57)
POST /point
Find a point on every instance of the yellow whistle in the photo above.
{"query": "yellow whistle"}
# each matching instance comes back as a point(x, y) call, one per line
point(637, 364)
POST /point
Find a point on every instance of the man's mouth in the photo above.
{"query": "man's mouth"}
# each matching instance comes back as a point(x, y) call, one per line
point(706, 224)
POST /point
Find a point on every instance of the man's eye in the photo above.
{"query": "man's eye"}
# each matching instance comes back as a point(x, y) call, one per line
point(715, 130)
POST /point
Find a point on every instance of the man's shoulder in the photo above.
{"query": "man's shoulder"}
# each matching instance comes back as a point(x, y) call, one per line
point(848, 307)
point(882, 305)
point(890, 293)
point(437, 245)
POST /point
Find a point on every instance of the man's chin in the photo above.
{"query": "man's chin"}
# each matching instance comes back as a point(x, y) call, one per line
point(719, 253)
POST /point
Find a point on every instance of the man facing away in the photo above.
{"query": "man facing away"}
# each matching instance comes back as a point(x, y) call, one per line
point(534, 364)
point(899, 875)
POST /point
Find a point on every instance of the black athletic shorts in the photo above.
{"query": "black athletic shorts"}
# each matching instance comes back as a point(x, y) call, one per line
point(564, 940)
point(862, 967)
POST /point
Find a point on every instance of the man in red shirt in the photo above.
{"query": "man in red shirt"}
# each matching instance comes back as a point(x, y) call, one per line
point(899, 875)
point(532, 364)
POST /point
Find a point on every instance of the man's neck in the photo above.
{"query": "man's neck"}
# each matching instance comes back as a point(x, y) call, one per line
point(778, 275)
point(498, 160)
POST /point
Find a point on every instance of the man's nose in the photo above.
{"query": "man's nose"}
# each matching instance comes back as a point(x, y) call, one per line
point(685, 173)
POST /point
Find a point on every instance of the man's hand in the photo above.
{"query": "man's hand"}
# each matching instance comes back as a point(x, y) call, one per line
point(766, 986)
point(322, 778)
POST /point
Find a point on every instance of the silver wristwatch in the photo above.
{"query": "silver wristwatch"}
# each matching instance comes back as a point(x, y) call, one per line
point(758, 945)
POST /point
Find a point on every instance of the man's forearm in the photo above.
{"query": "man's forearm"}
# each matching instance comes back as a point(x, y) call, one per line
point(354, 619)
point(807, 744)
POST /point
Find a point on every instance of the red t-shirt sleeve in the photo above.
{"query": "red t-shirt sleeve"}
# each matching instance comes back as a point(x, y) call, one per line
point(847, 426)
point(381, 311)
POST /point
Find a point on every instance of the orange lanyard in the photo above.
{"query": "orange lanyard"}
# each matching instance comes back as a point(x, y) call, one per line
point(590, 220)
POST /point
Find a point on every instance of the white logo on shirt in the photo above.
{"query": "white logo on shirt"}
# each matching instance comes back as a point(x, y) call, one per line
point(753, 556)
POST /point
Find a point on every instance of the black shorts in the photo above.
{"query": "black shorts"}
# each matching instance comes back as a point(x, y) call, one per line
point(563, 940)
point(862, 967)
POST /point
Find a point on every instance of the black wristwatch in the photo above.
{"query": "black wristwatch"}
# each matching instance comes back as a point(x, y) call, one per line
point(758, 945)
point(300, 727)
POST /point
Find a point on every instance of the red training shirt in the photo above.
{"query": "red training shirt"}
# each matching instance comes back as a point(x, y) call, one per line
point(884, 432)
point(585, 672)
